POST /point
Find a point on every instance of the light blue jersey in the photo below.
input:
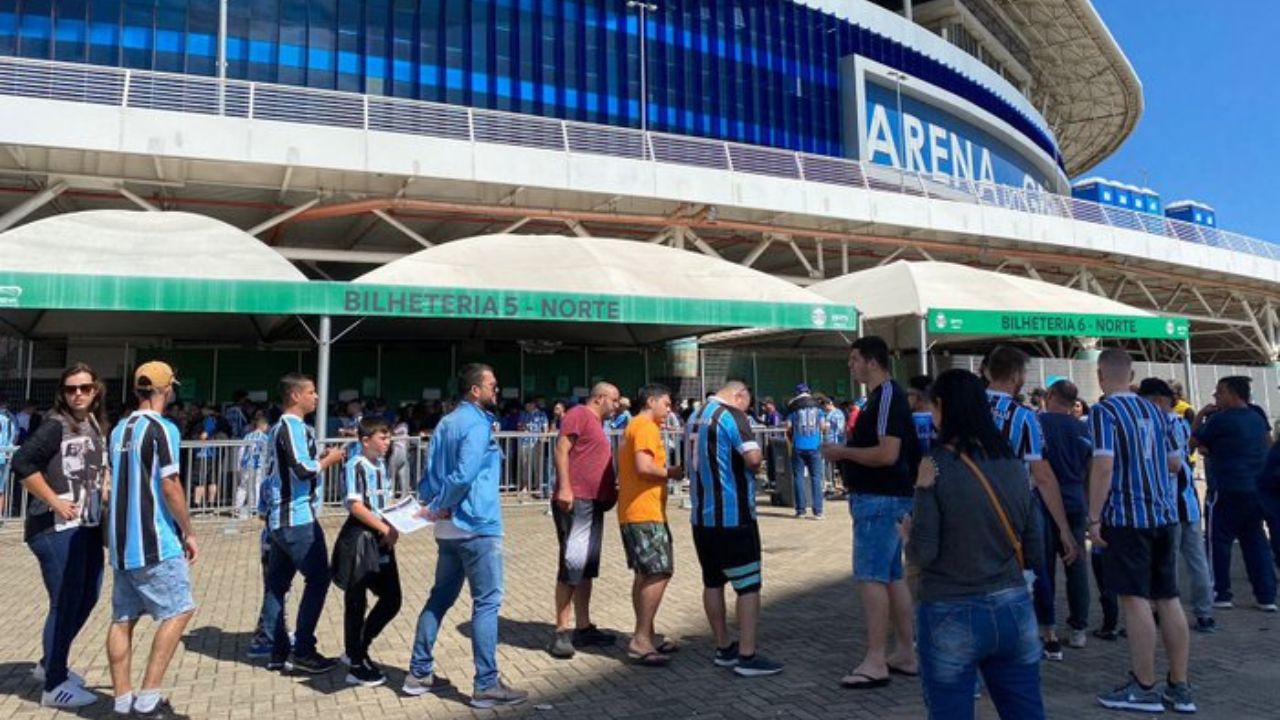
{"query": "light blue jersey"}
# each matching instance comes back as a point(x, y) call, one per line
point(141, 532)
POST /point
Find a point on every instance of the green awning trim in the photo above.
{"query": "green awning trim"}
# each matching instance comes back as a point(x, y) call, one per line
point(39, 291)
point(945, 321)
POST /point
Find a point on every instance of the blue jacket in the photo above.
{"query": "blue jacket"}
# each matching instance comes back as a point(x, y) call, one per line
point(464, 468)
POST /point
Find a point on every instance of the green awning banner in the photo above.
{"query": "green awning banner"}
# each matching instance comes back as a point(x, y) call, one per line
point(40, 291)
point(944, 321)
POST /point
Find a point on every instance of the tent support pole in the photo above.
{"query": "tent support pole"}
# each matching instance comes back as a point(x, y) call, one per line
point(702, 374)
point(124, 377)
point(521, 385)
point(804, 369)
point(377, 378)
point(645, 353)
point(1189, 369)
point(213, 391)
point(322, 376)
point(924, 345)
point(853, 381)
point(586, 368)
point(755, 374)
point(31, 351)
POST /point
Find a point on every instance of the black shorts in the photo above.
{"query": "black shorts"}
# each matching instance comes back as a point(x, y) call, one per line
point(580, 532)
point(1141, 562)
point(729, 555)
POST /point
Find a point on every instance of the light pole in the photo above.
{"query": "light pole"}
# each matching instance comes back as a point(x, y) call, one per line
point(645, 8)
point(222, 56)
point(898, 79)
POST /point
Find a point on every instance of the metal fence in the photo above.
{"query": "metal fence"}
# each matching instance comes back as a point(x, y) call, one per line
point(120, 87)
point(220, 484)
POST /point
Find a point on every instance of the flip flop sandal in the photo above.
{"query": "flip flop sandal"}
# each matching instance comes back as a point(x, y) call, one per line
point(899, 671)
point(868, 682)
point(667, 647)
point(649, 659)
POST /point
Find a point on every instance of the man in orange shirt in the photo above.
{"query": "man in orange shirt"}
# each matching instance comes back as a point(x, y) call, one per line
point(642, 511)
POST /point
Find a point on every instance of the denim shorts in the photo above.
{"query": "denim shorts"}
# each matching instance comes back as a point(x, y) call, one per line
point(162, 591)
point(877, 546)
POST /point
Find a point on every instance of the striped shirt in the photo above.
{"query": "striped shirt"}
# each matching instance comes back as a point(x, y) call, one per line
point(1019, 425)
point(1141, 440)
point(293, 474)
point(365, 481)
point(141, 531)
point(253, 455)
point(723, 489)
point(1188, 501)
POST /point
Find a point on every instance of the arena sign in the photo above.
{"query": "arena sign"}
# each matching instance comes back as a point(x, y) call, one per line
point(927, 140)
point(944, 321)
point(34, 291)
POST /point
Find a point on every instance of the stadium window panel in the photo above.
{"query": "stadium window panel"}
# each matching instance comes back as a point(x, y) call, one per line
point(377, 61)
point(293, 42)
point(349, 47)
point(431, 51)
point(35, 29)
point(70, 31)
point(321, 44)
point(139, 34)
point(404, 49)
point(202, 38)
point(264, 24)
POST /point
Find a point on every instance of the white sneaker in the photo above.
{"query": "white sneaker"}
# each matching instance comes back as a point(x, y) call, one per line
point(37, 674)
point(1078, 639)
point(1268, 607)
point(67, 695)
point(415, 686)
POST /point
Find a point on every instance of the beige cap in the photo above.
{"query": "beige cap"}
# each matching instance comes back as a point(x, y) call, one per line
point(154, 374)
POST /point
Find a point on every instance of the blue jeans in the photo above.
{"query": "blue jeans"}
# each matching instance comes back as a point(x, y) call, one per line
point(811, 459)
point(1239, 516)
point(877, 543)
point(71, 565)
point(1046, 569)
point(994, 633)
point(296, 550)
point(478, 561)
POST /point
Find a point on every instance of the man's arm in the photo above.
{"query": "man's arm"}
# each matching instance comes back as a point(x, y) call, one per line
point(1051, 494)
point(30, 461)
point(564, 485)
point(1099, 488)
point(647, 468)
point(176, 500)
point(467, 465)
point(883, 454)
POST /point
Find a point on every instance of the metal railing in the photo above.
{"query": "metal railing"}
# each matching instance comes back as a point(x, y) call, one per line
point(120, 87)
point(219, 483)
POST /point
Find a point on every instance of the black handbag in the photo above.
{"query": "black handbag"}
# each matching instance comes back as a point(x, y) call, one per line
point(355, 555)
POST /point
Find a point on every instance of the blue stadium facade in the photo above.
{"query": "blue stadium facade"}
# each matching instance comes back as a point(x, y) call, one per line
point(764, 72)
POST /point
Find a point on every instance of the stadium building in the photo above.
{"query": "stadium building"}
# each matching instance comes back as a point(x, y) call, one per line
point(805, 138)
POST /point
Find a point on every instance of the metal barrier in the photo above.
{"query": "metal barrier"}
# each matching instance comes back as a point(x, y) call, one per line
point(101, 85)
point(220, 479)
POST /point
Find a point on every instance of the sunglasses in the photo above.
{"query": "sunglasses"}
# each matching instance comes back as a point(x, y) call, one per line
point(82, 389)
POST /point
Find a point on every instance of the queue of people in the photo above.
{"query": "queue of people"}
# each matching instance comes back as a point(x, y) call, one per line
point(963, 501)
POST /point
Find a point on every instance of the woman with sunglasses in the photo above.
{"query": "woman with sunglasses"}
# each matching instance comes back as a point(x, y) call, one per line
point(63, 466)
point(972, 525)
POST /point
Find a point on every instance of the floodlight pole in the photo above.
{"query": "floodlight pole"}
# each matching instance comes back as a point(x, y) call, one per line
point(323, 342)
point(924, 345)
point(645, 9)
point(222, 56)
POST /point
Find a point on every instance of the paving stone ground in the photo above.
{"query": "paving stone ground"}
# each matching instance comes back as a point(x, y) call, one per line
point(811, 622)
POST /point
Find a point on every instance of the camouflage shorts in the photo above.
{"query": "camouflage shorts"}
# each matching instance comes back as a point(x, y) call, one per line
point(648, 548)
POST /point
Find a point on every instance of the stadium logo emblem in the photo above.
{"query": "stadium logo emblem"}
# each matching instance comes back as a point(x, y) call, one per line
point(1169, 327)
point(819, 317)
point(9, 295)
point(940, 321)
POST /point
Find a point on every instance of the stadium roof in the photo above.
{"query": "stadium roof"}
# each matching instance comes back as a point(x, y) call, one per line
point(1083, 83)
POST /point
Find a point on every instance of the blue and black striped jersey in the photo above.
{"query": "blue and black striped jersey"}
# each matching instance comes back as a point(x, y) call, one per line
point(140, 529)
point(1140, 438)
point(723, 489)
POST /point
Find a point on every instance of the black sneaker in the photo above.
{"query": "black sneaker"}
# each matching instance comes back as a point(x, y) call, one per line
point(313, 664)
point(727, 656)
point(1108, 634)
point(365, 674)
point(561, 645)
point(1053, 650)
point(592, 635)
point(1206, 625)
point(162, 711)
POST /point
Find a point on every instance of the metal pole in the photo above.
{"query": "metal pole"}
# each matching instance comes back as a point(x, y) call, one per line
point(1190, 371)
point(377, 378)
point(804, 368)
point(645, 352)
point(924, 345)
point(214, 390)
point(645, 8)
point(31, 351)
point(222, 56)
point(322, 376)
point(521, 385)
point(124, 377)
point(755, 373)
point(702, 374)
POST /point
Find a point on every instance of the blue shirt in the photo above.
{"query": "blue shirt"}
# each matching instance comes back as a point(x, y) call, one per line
point(1068, 448)
point(835, 427)
point(806, 422)
point(723, 490)
point(236, 420)
point(293, 474)
point(1133, 431)
point(923, 423)
point(141, 531)
point(253, 455)
point(464, 468)
point(619, 421)
point(365, 480)
point(1188, 501)
point(7, 426)
point(1235, 440)
point(1019, 426)
point(535, 423)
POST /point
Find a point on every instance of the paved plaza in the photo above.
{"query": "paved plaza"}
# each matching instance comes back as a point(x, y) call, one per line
point(811, 623)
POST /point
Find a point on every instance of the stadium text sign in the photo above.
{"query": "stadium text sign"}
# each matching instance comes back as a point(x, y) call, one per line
point(1038, 324)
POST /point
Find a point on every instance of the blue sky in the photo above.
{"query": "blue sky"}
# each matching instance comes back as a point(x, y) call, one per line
point(1211, 127)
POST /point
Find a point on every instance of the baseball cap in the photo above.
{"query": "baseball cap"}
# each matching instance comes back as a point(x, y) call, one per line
point(154, 374)
point(1155, 386)
point(802, 388)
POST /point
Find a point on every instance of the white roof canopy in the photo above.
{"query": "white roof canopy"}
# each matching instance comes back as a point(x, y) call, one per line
point(575, 267)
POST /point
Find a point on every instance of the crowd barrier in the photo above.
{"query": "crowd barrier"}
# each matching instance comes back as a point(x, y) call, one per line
point(219, 476)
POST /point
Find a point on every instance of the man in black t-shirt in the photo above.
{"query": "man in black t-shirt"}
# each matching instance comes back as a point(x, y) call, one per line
point(878, 466)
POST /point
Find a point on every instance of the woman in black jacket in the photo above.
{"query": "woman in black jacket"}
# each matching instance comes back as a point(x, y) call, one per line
point(63, 466)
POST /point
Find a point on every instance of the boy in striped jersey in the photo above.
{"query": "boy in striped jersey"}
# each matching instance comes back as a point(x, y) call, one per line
point(367, 492)
point(295, 475)
point(150, 542)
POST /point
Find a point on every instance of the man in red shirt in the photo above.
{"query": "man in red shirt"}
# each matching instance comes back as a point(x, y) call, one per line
point(585, 489)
